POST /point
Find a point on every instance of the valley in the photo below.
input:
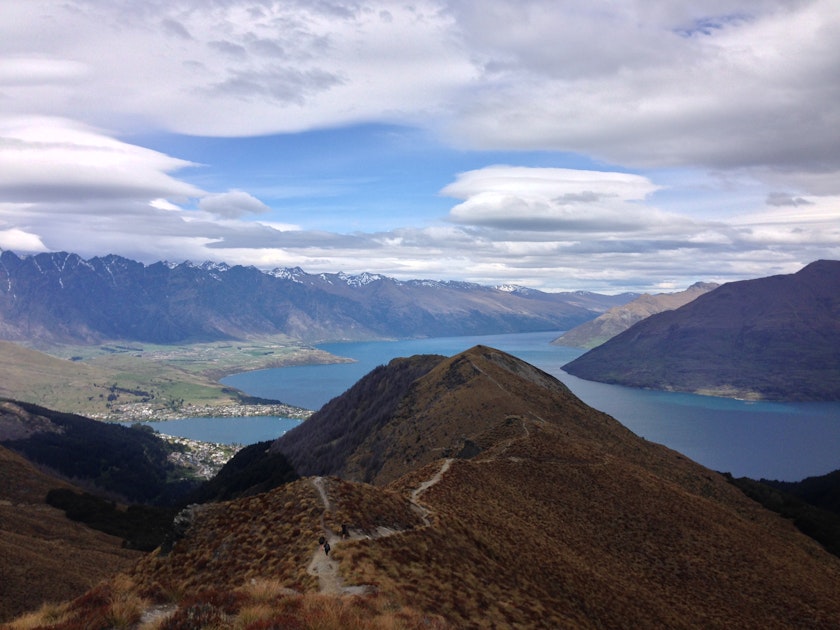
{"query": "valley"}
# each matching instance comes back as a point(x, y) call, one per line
point(133, 381)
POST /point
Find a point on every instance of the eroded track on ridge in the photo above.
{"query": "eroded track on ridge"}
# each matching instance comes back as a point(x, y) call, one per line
point(325, 567)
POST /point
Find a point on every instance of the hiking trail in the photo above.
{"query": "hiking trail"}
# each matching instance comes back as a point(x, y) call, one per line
point(325, 567)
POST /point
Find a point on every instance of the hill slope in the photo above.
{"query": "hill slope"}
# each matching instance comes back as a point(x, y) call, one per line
point(501, 500)
point(620, 318)
point(116, 461)
point(774, 338)
point(435, 408)
point(44, 556)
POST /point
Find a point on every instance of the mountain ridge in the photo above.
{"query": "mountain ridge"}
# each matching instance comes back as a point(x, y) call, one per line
point(773, 338)
point(541, 512)
point(500, 500)
point(620, 318)
point(61, 298)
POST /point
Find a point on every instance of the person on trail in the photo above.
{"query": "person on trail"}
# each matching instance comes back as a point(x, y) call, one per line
point(344, 532)
point(326, 548)
point(321, 541)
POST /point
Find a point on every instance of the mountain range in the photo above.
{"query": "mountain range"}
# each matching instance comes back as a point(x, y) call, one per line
point(773, 338)
point(61, 298)
point(620, 318)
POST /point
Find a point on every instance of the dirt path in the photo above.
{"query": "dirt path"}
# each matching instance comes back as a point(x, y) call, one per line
point(415, 494)
point(325, 567)
point(322, 565)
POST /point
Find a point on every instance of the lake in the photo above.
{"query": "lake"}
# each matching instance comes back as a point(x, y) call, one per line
point(242, 430)
point(786, 441)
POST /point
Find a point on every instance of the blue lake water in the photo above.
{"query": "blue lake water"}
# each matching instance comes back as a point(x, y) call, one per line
point(787, 441)
point(243, 430)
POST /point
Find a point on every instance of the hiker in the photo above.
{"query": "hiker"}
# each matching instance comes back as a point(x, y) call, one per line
point(344, 532)
point(321, 541)
point(327, 548)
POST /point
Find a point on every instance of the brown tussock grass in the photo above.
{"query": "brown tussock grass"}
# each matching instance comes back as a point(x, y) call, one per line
point(49, 614)
point(323, 612)
point(115, 603)
point(264, 590)
point(365, 508)
point(253, 614)
point(267, 536)
point(563, 520)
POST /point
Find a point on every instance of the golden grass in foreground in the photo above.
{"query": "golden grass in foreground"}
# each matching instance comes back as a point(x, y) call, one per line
point(110, 604)
point(267, 536)
point(261, 606)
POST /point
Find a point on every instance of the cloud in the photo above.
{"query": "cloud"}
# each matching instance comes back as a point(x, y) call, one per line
point(53, 159)
point(743, 89)
point(233, 204)
point(18, 240)
point(786, 199)
point(279, 85)
point(36, 71)
point(235, 69)
point(735, 84)
point(738, 85)
point(552, 199)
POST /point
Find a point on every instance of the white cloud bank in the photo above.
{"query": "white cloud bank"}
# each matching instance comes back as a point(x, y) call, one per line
point(746, 89)
point(52, 159)
point(742, 83)
point(552, 199)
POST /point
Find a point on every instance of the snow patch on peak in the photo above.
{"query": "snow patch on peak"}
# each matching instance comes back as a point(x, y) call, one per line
point(361, 279)
point(434, 284)
point(210, 265)
point(513, 288)
point(295, 274)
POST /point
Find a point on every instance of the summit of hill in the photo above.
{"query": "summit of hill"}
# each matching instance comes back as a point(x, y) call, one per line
point(416, 410)
point(773, 338)
point(477, 491)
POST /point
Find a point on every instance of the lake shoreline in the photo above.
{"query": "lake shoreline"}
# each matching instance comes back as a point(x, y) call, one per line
point(142, 413)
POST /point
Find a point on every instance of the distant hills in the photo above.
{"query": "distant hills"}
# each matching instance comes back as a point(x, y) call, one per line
point(61, 298)
point(774, 338)
point(620, 318)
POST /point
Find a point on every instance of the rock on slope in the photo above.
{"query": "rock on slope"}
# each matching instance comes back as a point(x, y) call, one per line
point(620, 318)
point(774, 338)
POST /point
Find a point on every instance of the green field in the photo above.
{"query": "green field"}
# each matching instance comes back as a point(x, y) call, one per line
point(133, 381)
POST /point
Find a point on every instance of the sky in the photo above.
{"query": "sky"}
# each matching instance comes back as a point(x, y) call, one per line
point(607, 145)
